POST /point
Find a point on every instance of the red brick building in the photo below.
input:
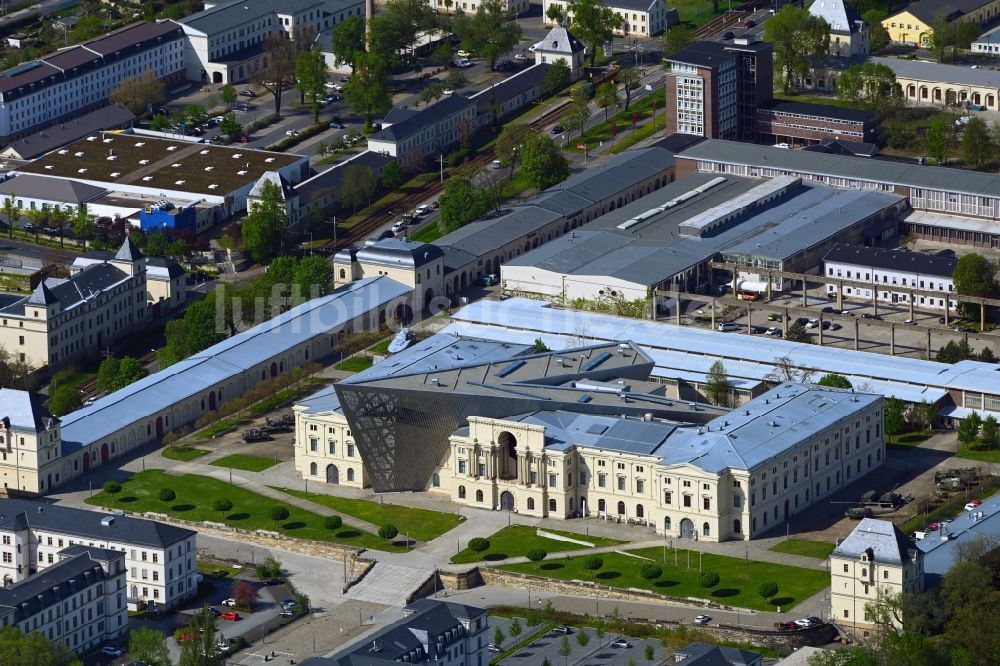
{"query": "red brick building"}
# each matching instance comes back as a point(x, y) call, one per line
point(803, 123)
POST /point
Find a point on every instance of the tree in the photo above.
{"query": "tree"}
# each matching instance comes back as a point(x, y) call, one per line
point(441, 55)
point(112, 488)
point(990, 432)
point(515, 628)
point(508, 145)
point(554, 13)
point(198, 329)
point(592, 563)
point(388, 532)
point(455, 78)
point(33, 649)
point(878, 36)
point(594, 23)
point(84, 224)
point(129, 371)
point(678, 36)
point(717, 387)
point(461, 202)
point(228, 95)
point(607, 97)
point(64, 399)
point(357, 187)
point(977, 143)
point(557, 77)
point(195, 114)
point(58, 217)
point(565, 649)
point(925, 414)
point(139, 93)
point(333, 522)
point(629, 80)
point(968, 428)
point(798, 333)
point(106, 374)
point(310, 72)
point(490, 32)
point(539, 347)
point(937, 138)
point(974, 275)
point(709, 579)
point(244, 594)
point(10, 210)
point(167, 495)
point(479, 544)
point(268, 570)
point(893, 416)
point(222, 505)
point(578, 112)
point(229, 126)
point(367, 91)
point(498, 635)
point(536, 555)
point(767, 590)
point(278, 513)
point(265, 224)
point(648, 652)
point(872, 85)
point(799, 39)
point(650, 572)
point(148, 646)
point(313, 277)
point(392, 175)
point(542, 164)
point(348, 40)
point(833, 380)
point(280, 56)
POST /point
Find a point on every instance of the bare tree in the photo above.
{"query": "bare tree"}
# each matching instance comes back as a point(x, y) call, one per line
point(280, 54)
point(785, 370)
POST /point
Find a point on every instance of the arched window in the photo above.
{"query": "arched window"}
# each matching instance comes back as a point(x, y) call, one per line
point(312, 468)
point(621, 508)
point(531, 504)
point(343, 274)
point(639, 511)
point(601, 505)
point(350, 473)
point(461, 492)
point(705, 529)
point(436, 480)
point(552, 505)
point(737, 528)
point(666, 523)
point(479, 495)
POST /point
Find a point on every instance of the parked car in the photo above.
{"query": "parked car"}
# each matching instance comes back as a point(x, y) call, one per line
point(422, 209)
point(621, 643)
point(802, 321)
point(494, 648)
point(558, 129)
point(847, 313)
point(750, 24)
point(248, 93)
point(728, 34)
point(774, 317)
point(231, 603)
point(702, 619)
point(495, 164)
point(231, 615)
point(728, 326)
point(774, 330)
point(804, 622)
point(291, 133)
point(289, 603)
point(911, 322)
point(286, 612)
point(336, 126)
point(828, 309)
point(462, 62)
point(217, 139)
point(448, 91)
point(562, 629)
point(399, 226)
point(462, 53)
point(834, 326)
point(520, 57)
point(783, 146)
point(112, 651)
point(812, 323)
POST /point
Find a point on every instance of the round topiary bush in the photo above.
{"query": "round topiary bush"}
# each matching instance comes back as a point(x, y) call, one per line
point(333, 522)
point(479, 544)
point(709, 579)
point(167, 495)
point(388, 532)
point(278, 513)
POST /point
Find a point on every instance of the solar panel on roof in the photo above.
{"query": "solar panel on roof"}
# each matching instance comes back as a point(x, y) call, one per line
point(510, 368)
point(593, 363)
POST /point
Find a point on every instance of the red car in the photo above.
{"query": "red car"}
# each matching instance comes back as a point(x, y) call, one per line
point(976, 502)
point(231, 615)
point(750, 23)
point(933, 527)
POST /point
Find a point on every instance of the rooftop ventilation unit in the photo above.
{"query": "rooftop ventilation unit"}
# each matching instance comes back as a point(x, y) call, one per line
point(237, 156)
point(147, 178)
point(63, 151)
point(107, 140)
point(203, 152)
point(175, 164)
point(171, 148)
point(115, 174)
point(241, 172)
point(180, 182)
point(140, 144)
point(143, 161)
point(209, 168)
point(49, 166)
point(213, 186)
point(78, 153)
point(91, 138)
point(107, 521)
point(112, 158)
point(268, 159)
point(83, 170)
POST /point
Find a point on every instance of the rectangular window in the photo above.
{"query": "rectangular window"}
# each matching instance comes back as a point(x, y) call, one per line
point(313, 444)
point(706, 503)
point(552, 480)
point(602, 480)
point(350, 450)
point(687, 500)
point(461, 467)
point(640, 485)
point(621, 483)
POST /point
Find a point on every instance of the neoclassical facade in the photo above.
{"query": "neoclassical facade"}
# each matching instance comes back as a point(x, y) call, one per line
point(325, 451)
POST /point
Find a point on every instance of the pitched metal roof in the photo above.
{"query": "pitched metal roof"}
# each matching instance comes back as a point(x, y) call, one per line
point(509, 88)
point(88, 524)
point(894, 260)
point(448, 106)
point(69, 131)
point(50, 586)
point(840, 16)
point(955, 75)
point(484, 236)
point(928, 10)
point(818, 110)
point(396, 252)
point(560, 40)
point(128, 251)
point(881, 540)
point(60, 190)
point(229, 14)
point(23, 410)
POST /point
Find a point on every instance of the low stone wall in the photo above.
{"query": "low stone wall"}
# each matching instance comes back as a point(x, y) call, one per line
point(501, 578)
point(359, 568)
point(783, 641)
point(458, 581)
point(263, 538)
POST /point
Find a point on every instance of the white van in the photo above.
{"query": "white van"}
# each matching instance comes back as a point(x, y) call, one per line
point(729, 326)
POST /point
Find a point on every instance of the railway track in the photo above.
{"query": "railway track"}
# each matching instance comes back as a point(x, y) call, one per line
point(88, 389)
point(369, 225)
point(720, 23)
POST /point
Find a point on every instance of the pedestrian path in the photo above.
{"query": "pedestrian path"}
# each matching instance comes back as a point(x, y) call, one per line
point(389, 584)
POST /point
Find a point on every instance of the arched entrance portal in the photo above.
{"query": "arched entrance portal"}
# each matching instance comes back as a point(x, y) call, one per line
point(159, 426)
point(274, 369)
point(86, 462)
point(211, 401)
point(687, 529)
point(508, 455)
point(104, 453)
point(788, 512)
point(506, 501)
point(216, 77)
point(332, 474)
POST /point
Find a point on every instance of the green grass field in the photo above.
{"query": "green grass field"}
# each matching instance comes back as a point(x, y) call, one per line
point(419, 524)
point(220, 427)
point(976, 450)
point(196, 494)
point(355, 364)
point(698, 12)
point(427, 233)
point(737, 586)
point(245, 462)
point(911, 438)
point(818, 549)
point(597, 134)
point(517, 540)
point(183, 453)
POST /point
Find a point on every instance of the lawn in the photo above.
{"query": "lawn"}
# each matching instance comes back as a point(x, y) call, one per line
point(737, 586)
point(427, 233)
point(828, 100)
point(183, 453)
point(213, 568)
point(381, 347)
point(517, 540)
point(419, 524)
point(911, 438)
point(818, 549)
point(281, 397)
point(698, 12)
point(245, 462)
point(597, 134)
point(355, 364)
point(220, 427)
point(977, 450)
point(196, 495)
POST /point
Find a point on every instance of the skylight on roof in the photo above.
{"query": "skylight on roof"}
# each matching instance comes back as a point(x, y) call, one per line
point(171, 148)
point(143, 161)
point(180, 182)
point(209, 168)
point(213, 186)
point(268, 159)
point(242, 172)
point(175, 164)
point(140, 144)
point(203, 152)
point(237, 156)
point(78, 153)
point(147, 178)
point(107, 140)
point(115, 174)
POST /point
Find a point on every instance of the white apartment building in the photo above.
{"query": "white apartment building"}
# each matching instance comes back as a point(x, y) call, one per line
point(849, 34)
point(225, 41)
point(515, 7)
point(324, 447)
point(413, 137)
point(78, 79)
point(64, 319)
point(734, 478)
point(875, 558)
point(891, 273)
point(79, 601)
point(560, 44)
point(640, 18)
point(159, 559)
point(30, 444)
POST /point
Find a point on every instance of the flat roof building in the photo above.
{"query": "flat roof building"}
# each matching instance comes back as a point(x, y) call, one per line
point(113, 116)
point(797, 123)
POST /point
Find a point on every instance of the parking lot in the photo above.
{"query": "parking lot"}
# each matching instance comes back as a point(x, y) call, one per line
point(590, 651)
